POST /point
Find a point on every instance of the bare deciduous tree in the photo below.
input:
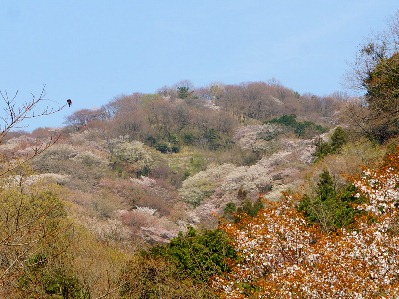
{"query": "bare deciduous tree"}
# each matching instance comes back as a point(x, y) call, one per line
point(15, 115)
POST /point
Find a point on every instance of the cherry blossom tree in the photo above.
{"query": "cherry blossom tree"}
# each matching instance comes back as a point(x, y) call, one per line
point(284, 257)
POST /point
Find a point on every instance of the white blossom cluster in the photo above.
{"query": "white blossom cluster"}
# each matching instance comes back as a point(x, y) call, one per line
point(211, 105)
point(146, 210)
point(203, 184)
point(213, 188)
point(60, 151)
point(108, 230)
point(133, 153)
point(258, 137)
point(144, 181)
point(146, 222)
point(282, 257)
point(90, 158)
point(91, 138)
point(16, 180)
point(382, 190)
point(17, 142)
point(284, 241)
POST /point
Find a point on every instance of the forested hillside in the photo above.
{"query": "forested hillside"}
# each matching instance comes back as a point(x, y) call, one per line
point(225, 191)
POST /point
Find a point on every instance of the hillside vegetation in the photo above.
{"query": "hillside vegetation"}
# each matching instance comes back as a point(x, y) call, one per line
point(225, 191)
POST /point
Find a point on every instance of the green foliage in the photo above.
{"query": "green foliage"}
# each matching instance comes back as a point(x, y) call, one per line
point(150, 141)
point(173, 138)
point(33, 246)
point(301, 129)
point(43, 277)
point(249, 289)
point(189, 138)
point(164, 148)
point(338, 139)
point(382, 97)
point(325, 187)
point(183, 92)
point(197, 164)
point(149, 277)
point(322, 149)
point(250, 208)
point(212, 136)
point(328, 207)
point(229, 210)
point(132, 157)
point(217, 140)
point(198, 254)
point(232, 212)
point(207, 138)
point(175, 149)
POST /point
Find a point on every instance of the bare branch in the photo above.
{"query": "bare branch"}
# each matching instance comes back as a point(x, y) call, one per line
point(15, 116)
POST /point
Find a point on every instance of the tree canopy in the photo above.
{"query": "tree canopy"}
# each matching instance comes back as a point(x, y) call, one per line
point(376, 71)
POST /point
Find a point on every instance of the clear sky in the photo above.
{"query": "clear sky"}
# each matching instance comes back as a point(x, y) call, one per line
point(94, 50)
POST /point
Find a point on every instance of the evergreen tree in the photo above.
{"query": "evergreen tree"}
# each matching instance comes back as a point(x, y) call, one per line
point(329, 208)
point(325, 186)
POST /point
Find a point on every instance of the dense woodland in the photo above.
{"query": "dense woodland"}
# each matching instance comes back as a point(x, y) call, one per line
point(249, 190)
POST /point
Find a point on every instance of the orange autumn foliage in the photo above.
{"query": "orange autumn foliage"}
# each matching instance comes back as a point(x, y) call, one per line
point(283, 257)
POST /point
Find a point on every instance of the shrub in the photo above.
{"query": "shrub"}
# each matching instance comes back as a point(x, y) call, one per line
point(250, 208)
point(84, 168)
point(42, 278)
point(338, 139)
point(330, 208)
point(232, 212)
point(203, 184)
point(198, 254)
point(147, 277)
point(189, 138)
point(133, 157)
point(334, 146)
point(33, 247)
point(301, 129)
point(162, 147)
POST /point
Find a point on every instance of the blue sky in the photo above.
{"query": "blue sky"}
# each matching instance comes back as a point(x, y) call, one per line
point(94, 50)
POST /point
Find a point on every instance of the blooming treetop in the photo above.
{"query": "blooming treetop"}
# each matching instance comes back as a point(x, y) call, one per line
point(283, 257)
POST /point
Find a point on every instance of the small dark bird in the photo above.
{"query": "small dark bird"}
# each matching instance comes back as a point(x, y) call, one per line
point(69, 102)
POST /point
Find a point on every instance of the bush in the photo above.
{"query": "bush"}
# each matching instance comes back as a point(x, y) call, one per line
point(133, 157)
point(232, 212)
point(34, 236)
point(301, 129)
point(83, 168)
point(162, 147)
point(329, 208)
point(44, 279)
point(250, 208)
point(148, 277)
point(217, 140)
point(189, 138)
point(334, 146)
point(198, 254)
point(198, 187)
